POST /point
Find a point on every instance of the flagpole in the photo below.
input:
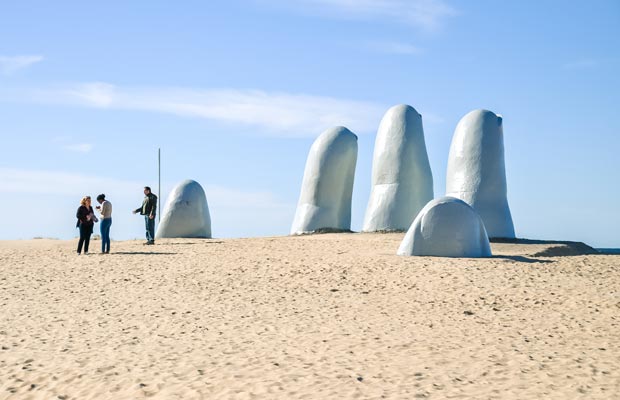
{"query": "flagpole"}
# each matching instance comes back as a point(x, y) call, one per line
point(159, 182)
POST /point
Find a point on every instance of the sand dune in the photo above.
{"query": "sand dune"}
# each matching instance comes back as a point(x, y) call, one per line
point(315, 317)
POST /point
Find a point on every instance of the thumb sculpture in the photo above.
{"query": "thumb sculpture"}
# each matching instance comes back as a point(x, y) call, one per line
point(446, 227)
point(186, 214)
point(476, 171)
point(327, 186)
point(402, 181)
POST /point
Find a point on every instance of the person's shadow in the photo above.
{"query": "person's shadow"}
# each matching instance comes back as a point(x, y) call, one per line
point(145, 253)
point(525, 259)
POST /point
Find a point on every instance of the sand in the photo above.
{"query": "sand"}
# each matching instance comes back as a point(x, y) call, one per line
point(331, 316)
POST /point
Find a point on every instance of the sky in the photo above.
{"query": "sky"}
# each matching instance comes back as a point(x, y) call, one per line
point(235, 92)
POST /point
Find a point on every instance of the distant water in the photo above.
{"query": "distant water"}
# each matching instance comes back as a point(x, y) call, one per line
point(609, 251)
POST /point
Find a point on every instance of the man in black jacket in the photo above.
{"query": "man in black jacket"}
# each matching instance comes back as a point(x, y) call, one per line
point(148, 209)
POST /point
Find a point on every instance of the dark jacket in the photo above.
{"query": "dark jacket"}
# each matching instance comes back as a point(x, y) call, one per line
point(82, 213)
point(149, 205)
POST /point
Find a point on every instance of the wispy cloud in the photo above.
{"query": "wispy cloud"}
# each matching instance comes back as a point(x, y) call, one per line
point(234, 212)
point(15, 180)
point(98, 94)
point(586, 63)
point(275, 113)
point(430, 118)
point(33, 181)
point(221, 196)
point(79, 147)
point(11, 64)
point(69, 144)
point(394, 48)
point(424, 14)
point(237, 212)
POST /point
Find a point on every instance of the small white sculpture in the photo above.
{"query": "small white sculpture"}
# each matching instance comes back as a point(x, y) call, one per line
point(327, 186)
point(402, 181)
point(476, 171)
point(186, 214)
point(446, 227)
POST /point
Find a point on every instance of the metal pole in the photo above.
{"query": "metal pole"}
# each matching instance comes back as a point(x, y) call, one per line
point(159, 182)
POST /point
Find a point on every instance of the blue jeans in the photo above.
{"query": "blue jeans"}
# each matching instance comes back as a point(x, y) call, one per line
point(105, 235)
point(150, 228)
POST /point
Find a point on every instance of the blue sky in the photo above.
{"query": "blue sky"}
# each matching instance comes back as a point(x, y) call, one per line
point(235, 92)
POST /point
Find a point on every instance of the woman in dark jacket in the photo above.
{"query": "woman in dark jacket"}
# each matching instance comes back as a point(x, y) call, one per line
point(86, 220)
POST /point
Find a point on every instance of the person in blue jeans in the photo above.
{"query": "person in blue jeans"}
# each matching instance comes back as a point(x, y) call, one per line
point(105, 209)
point(148, 209)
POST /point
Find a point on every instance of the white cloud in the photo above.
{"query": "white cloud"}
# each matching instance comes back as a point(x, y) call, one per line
point(98, 94)
point(581, 64)
point(394, 48)
point(234, 212)
point(11, 64)
point(244, 213)
point(42, 182)
point(68, 143)
point(276, 113)
point(16, 180)
point(430, 118)
point(79, 147)
point(270, 113)
point(424, 14)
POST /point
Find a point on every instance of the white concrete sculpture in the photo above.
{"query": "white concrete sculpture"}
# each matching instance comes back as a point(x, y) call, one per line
point(186, 214)
point(327, 186)
point(446, 227)
point(476, 171)
point(402, 181)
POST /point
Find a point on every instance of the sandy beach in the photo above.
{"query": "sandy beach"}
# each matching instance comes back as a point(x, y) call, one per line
point(332, 316)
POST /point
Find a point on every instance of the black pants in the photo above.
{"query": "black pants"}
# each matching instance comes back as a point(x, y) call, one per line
point(85, 232)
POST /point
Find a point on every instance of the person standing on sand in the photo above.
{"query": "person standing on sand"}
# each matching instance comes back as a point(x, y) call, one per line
point(148, 209)
point(105, 209)
point(86, 219)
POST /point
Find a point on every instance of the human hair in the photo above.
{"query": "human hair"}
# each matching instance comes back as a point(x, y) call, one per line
point(101, 197)
point(147, 188)
point(84, 200)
